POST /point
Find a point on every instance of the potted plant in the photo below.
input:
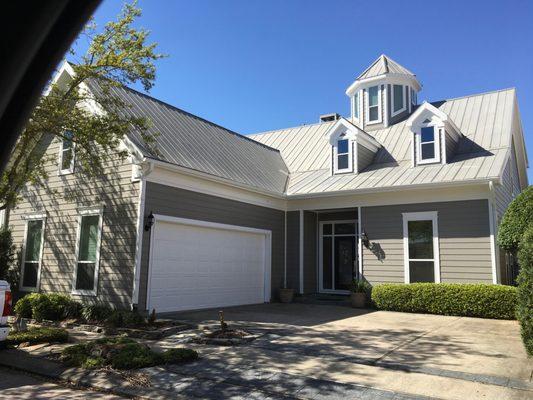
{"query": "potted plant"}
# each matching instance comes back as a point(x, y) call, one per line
point(359, 292)
point(286, 295)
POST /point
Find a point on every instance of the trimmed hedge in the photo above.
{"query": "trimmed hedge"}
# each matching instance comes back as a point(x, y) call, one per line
point(517, 218)
point(469, 300)
point(47, 306)
point(525, 289)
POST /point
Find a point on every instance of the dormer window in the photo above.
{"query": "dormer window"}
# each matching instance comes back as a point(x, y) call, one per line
point(398, 99)
point(374, 107)
point(66, 154)
point(428, 145)
point(356, 105)
point(343, 161)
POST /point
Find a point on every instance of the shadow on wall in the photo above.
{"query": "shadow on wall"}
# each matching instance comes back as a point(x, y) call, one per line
point(377, 250)
point(61, 196)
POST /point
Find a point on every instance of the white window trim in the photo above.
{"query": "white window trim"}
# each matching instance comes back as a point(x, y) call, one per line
point(86, 212)
point(70, 169)
point(401, 110)
point(336, 170)
point(32, 217)
point(2, 217)
point(380, 119)
point(421, 216)
point(418, 141)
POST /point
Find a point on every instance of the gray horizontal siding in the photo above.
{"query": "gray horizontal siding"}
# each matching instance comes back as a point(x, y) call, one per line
point(310, 252)
point(293, 250)
point(450, 147)
point(175, 202)
point(464, 241)
point(61, 199)
point(364, 157)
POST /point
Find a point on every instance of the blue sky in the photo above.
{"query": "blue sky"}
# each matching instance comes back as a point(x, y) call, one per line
point(256, 65)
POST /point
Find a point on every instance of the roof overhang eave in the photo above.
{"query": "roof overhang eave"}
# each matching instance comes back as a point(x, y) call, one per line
point(399, 78)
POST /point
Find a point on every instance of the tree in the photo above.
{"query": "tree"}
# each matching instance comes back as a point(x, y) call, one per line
point(517, 218)
point(119, 55)
point(525, 289)
point(7, 252)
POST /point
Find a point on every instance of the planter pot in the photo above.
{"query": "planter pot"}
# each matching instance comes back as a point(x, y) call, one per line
point(286, 295)
point(358, 300)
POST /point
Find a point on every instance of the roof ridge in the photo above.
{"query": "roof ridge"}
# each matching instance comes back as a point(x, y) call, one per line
point(197, 117)
point(476, 94)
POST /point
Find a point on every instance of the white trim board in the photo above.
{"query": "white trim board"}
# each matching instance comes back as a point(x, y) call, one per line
point(421, 216)
point(215, 225)
point(139, 241)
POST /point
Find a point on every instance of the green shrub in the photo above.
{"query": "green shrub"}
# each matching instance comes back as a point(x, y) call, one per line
point(7, 253)
point(47, 306)
point(121, 353)
point(122, 318)
point(360, 286)
point(38, 335)
point(96, 312)
point(470, 300)
point(23, 305)
point(517, 218)
point(525, 289)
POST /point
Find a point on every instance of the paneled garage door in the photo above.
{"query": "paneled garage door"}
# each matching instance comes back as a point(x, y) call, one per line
point(195, 264)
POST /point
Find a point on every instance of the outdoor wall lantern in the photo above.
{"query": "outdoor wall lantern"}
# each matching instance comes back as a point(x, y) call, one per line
point(149, 221)
point(364, 239)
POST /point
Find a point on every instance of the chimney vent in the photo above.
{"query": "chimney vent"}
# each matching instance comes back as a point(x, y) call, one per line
point(329, 117)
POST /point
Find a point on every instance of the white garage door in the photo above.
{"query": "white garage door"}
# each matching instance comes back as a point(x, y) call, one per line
point(195, 265)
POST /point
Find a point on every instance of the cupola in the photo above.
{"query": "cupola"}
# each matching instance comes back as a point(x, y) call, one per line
point(383, 94)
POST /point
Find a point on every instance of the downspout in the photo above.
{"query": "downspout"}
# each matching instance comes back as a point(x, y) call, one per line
point(285, 255)
point(492, 225)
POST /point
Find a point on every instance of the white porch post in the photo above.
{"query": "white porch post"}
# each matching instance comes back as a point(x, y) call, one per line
point(359, 243)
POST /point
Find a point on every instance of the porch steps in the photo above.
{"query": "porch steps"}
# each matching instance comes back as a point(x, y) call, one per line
point(323, 299)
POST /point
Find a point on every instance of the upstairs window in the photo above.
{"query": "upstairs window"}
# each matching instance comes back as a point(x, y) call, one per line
point(398, 99)
point(428, 145)
point(66, 154)
point(343, 156)
point(356, 105)
point(374, 108)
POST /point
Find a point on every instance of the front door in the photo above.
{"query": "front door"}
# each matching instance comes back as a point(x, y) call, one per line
point(338, 255)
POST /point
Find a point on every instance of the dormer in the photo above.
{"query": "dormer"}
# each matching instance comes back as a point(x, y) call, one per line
point(434, 135)
point(352, 149)
point(383, 94)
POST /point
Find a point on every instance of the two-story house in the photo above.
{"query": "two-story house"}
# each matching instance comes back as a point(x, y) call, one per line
point(395, 192)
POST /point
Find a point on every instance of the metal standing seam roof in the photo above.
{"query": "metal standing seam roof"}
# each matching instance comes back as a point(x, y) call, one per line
point(192, 142)
point(485, 121)
point(384, 65)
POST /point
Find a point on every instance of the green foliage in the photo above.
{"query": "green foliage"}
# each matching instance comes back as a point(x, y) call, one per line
point(95, 312)
point(38, 335)
point(469, 300)
point(47, 306)
point(360, 286)
point(23, 306)
point(7, 253)
point(517, 218)
point(121, 318)
point(119, 54)
point(525, 289)
point(121, 353)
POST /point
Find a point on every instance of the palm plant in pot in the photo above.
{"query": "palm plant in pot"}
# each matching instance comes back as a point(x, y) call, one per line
point(359, 292)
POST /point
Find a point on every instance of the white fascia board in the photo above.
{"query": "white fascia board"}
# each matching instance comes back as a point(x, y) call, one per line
point(188, 179)
point(384, 198)
point(399, 79)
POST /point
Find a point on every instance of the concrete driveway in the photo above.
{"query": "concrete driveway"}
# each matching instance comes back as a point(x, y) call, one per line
point(403, 354)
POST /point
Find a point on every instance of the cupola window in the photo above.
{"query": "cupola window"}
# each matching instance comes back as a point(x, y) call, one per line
point(356, 105)
point(373, 105)
point(398, 99)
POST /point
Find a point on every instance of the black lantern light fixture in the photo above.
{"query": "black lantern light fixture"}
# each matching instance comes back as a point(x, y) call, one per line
point(149, 221)
point(364, 239)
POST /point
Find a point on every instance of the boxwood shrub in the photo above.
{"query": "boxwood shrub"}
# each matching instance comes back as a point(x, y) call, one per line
point(525, 289)
point(469, 300)
point(47, 306)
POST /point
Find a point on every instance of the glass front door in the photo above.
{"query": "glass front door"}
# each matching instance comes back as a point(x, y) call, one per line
point(338, 255)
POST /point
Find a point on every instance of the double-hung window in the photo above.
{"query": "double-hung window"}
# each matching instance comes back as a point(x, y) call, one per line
point(356, 105)
point(32, 252)
point(88, 252)
point(343, 155)
point(398, 99)
point(428, 145)
point(66, 154)
point(421, 247)
point(374, 108)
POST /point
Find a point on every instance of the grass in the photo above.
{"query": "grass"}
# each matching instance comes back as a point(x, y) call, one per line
point(122, 353)
point(38, 335)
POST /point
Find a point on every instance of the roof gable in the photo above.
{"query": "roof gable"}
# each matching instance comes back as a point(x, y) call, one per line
point(384, 65)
